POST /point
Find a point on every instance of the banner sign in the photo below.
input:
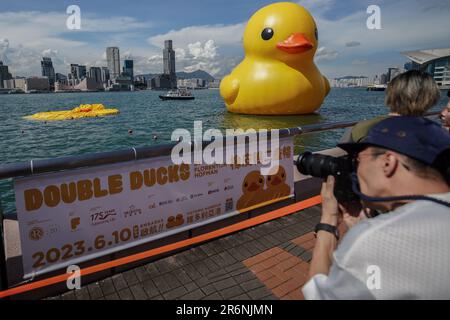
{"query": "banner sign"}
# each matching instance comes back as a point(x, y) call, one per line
point(76, 215)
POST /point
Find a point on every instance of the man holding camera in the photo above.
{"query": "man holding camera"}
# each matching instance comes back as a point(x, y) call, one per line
point(400, 169)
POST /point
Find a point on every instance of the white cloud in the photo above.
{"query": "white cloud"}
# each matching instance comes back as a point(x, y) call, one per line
point(221, 34)
point(325, 54)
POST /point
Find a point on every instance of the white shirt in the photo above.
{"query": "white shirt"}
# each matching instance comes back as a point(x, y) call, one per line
point(404, 254)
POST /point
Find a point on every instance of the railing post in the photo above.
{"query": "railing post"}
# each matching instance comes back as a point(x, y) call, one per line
point(3, 271)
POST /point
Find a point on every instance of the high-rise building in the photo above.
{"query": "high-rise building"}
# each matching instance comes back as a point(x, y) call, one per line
point(105, 75)
point(95, 73)
point(113, 60)
point(392, 73)
point(77, 71)
point(4, 74)
point(128, 69)
point(169, 62)
point(48, 70)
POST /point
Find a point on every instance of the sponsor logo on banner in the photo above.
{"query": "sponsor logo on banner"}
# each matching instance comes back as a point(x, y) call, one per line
point(132, 211)
point(36, 233)
point(74, 223)
point(104, 216)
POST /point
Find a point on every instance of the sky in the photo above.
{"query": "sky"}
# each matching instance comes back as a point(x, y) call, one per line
point(207, 33)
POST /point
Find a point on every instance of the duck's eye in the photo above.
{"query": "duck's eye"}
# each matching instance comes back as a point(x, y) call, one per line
point(317, 34)
point(282, 175)
point(267, 34)
point(269, 178)
point(246, 185)
point(260, 180)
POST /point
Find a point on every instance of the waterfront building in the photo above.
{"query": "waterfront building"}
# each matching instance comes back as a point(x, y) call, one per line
point(434, 61)
point(4, 74)
point(169, 62)
point(95, 73)
point(215, 84)
point(194, 83)
point(77, 71)
point(30, 84)
point(128, 69)
point(392, 73)
point(113, 60)
point(105, 75)
point(47, 70)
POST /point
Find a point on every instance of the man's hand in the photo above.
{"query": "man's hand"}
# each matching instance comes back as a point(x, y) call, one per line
point(330, 206)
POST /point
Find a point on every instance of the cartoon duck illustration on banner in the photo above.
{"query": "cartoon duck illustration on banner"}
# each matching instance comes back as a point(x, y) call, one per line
point(253, 192)
point(278, 75)
point(276, 185)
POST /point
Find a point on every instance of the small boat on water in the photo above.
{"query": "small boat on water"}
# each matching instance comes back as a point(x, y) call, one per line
point(377, 87)
point(178, 94)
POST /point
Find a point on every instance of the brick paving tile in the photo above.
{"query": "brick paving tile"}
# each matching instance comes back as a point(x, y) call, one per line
point(166, 282)
point(181, 275)
point(241, 297)
point(285, 288)
point(274, 282)
point(259, 293)
point(125, 294)
point(203, 281)
point(95, 291)
point(231, 292)
point(223, 284)
point(194, 295)
point(70, 295)
point(306, 256)
point(130, 277)
point(175, 293)
point(296, 295)
point(308, 245)
point(247, 275)
point(214, 296)
point(152, 270)
point(192, 272)
point(107, 286)
point(304, 238)
point(82, 294)
point(211, 265)
point(119, 282)
point(208, 289)
point(138, 292)
point(150, 288)
point(191, 286)
point(113, 296)
point(142, 274)
point(201, 268)
point(251, 284)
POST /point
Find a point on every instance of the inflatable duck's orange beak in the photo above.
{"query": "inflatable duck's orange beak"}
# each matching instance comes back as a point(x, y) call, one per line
point(296, 43)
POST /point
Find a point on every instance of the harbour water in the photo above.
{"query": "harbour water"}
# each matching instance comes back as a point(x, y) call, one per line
point(147, 116)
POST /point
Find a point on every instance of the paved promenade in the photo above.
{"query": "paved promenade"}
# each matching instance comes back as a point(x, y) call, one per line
point(269, 261)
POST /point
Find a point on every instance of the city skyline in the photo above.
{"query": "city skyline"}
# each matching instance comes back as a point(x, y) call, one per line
point(210, 38)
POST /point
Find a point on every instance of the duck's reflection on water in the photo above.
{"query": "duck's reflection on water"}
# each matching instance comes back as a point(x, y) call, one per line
point(235, 121)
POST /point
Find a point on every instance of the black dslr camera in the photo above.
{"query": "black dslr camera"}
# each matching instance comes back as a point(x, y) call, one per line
point(321, 166)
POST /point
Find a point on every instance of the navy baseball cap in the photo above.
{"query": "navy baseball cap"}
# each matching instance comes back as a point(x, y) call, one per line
point(416, 137)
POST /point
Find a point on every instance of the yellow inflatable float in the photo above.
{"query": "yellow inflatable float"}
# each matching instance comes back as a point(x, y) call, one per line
point(82, 111)
point(278, 75)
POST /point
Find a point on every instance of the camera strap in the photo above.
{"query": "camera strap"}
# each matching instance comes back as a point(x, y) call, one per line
point(356, 189)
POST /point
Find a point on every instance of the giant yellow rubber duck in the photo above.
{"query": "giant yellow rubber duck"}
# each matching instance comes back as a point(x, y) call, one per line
point(278, 75)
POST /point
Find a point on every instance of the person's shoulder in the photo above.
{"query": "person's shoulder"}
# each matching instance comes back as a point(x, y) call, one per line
point(361, 129)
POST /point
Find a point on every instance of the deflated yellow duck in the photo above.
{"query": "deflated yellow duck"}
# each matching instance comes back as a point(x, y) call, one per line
point(278, 75)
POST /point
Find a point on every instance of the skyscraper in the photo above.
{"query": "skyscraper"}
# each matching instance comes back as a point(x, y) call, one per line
point(96, 74)
point(48, 70)
point(113, 59)
point(4, 74)
point(105, 75)
point(77, 71)
point(128, 69)
point(169, 62)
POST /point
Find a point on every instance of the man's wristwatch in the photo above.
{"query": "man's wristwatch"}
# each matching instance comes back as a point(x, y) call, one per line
point(327, 227)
